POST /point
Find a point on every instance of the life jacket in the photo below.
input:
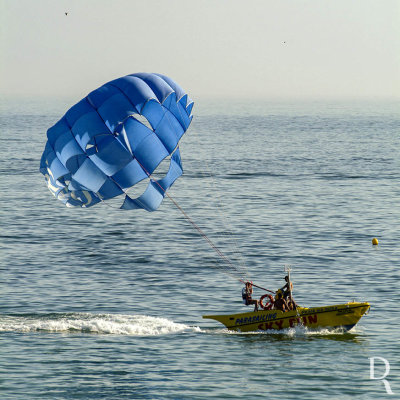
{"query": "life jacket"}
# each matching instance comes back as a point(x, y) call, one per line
point(277, 292)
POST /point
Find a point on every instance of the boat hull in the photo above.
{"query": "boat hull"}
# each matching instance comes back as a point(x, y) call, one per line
point(343, 316)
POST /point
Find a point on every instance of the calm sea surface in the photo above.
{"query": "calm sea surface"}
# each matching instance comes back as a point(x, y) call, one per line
point(107, 304)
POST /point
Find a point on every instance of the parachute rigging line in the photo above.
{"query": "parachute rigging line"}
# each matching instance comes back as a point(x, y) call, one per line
point(227, 233)
point(222, 256)
point(208, 240)
point(241, 270)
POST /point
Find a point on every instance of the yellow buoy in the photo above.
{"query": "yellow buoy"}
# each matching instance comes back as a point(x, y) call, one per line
point(375, 241)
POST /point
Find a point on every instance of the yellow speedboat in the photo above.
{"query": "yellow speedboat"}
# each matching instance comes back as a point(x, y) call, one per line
point(343, 316)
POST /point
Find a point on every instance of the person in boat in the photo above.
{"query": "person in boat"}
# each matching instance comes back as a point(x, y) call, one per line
point(291, 303)
point(247, 292)
point(280, 302)
point(287, 289)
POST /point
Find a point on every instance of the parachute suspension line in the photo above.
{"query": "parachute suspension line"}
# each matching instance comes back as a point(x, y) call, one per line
point(203, 235)
point(230, 265)
point(227, 233)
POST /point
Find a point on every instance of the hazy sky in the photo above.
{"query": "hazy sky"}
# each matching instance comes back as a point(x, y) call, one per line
point(219, 48)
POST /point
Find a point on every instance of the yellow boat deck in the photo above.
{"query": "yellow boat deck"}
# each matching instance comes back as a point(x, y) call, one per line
point(336, 316)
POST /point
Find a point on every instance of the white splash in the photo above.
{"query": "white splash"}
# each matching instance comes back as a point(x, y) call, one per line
point(140, 325)
point(296, 331)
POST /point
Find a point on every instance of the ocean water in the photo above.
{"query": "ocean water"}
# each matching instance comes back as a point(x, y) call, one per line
point(108, 304)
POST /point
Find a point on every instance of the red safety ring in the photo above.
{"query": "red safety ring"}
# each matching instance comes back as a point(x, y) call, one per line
point(269, 305)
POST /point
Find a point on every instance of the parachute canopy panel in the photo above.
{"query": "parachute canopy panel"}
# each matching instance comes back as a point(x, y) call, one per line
point(116, 137)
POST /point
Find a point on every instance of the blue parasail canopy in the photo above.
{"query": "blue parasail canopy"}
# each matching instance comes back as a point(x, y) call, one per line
point(116, 137)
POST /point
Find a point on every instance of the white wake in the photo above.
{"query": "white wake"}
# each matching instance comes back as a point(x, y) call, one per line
point(118, 324)
point(298, 331)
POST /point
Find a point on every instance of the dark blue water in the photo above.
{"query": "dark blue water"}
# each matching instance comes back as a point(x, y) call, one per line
point(107, 304)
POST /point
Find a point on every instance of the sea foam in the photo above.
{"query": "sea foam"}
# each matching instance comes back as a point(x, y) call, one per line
point(119, 324)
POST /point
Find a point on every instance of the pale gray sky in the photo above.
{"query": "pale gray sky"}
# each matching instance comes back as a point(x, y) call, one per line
point(216, 48)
